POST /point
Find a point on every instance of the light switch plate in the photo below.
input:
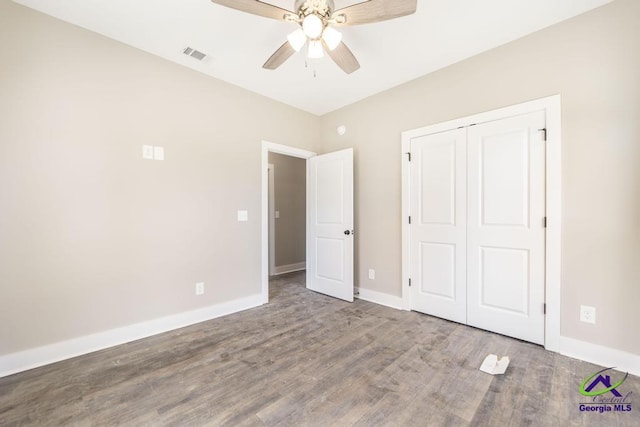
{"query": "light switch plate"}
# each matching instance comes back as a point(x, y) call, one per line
point(158, 153)
point(277, 214)
point(147, 152)
point(243, 216)
point(200, 288)
point(372, 274)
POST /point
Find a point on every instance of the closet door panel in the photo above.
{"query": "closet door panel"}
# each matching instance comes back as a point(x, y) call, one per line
point(505, 226)
point(438, 236)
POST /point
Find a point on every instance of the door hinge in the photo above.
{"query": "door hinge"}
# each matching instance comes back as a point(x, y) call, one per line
point(409, 155)
point(544, 222)
point(409, 282)
point(544, 308)
point(544, 133)
point(409, 219)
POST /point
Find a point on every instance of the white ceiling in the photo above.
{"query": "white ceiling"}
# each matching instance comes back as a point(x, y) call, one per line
point(441, 33)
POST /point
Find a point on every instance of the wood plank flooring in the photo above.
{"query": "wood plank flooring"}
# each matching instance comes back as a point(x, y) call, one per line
point(307, 359)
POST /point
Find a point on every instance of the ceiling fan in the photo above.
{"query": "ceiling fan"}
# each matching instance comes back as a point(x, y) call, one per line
point(316, 20)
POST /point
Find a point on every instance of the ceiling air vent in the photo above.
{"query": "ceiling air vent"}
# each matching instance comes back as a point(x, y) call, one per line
point(189, 51)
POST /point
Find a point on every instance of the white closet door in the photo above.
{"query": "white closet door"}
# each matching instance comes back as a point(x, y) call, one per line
point(438, 224)
point(505, 226)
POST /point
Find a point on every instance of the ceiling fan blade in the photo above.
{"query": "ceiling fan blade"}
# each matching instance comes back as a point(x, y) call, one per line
point(375, 11)
point(278, 58)
point(343, 56)
point(256, 7)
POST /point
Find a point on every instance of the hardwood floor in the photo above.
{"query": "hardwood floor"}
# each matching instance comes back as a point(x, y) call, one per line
point(307, 359)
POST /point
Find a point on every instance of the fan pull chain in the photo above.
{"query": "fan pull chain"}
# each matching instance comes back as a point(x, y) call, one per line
point(315, 72)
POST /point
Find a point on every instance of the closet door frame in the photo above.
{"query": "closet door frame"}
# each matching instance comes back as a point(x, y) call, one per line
point(552, 108)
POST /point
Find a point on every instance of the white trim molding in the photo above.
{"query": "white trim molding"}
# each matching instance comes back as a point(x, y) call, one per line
point(552, 107)
point(288, 268)
point(272, 220)
point(379, 298)
point(28, 359)
point(600, 355)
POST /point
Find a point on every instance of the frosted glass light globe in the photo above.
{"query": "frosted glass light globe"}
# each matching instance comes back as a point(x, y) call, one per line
point(331, 37)
point(315, 50)
point(312, 26)
point(297, 39)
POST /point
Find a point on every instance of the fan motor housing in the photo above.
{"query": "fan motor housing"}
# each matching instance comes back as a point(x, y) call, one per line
point(322, 8)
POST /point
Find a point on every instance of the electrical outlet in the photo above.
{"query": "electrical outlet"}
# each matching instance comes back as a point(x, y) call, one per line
point(243, 216)
point(199, 288)
point(587, 314)
point(372, 274)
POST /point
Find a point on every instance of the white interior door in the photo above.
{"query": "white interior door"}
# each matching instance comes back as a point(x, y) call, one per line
point(330, 224)
point(438, 224)
point(505, 226)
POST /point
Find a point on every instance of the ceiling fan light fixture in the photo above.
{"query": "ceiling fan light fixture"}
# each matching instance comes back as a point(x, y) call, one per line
point(312, 26)
point(332, 37)
point(314, 17)
point(315, 49)
point(297, 39)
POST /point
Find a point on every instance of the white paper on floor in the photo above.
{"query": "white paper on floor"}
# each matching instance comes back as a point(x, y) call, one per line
point(491, 364)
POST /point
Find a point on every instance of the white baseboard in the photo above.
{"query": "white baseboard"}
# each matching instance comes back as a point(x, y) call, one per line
point(40, 356)
point(581, 350)
point(600, 355)
point(289, 268)
point(379, 298)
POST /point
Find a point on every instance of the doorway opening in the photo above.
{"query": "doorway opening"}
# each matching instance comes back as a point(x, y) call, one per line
point(269, 222)
point(287, 214)
point(329, 220)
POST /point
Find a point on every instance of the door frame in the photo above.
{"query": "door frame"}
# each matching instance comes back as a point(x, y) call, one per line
point(272, 220)
point(552, 107)
point(270, 147)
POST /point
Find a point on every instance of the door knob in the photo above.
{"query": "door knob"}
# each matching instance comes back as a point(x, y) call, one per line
point(347, 232)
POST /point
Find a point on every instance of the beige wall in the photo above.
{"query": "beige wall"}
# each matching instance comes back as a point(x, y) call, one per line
point(593, 61)
point(93, 237)
point(290, 201)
